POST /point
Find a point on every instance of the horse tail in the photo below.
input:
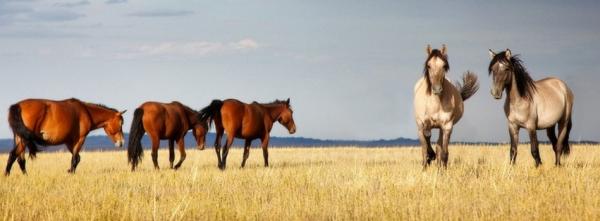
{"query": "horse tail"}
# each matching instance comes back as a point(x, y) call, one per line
point(15, 120)
point(469, 85)
point(134, 148)
point(566, 150)
point(211, 111)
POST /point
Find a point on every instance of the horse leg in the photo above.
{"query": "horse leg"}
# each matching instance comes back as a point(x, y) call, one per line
point(17, 153)
point(171, 152)
point(427, 152)
point(562, 134)
point(445, 131)
point(513, 132)
point(535, 151)
point(246, 151)
point(218, 138)
point(552, 137)
point(182, 154)
point(154, 154)
point(225, 151)
point(265, 144)
point(75, 152)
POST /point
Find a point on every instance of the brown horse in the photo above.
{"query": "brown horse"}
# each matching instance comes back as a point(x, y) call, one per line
point(162, 121)
point(246, 121)
point(543, 104)
point(439, 104)
point(46, 122)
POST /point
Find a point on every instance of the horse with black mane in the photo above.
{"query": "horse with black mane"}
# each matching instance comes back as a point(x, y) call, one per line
point(170, 121)
point(246, 121)
point(47, 122)
point(543, 104)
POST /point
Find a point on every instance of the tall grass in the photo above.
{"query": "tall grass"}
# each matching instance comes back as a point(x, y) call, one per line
point(309, 184)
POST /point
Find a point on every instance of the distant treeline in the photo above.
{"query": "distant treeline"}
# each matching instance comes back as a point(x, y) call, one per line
point(103, 143)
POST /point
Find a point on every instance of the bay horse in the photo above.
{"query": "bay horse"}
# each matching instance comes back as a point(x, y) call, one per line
point(246, 121)
point(170, 121)
point(439, 104)
point(533, 105)
point(47, 122)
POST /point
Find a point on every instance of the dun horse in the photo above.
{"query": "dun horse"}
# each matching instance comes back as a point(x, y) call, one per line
point(533, 105)
point(45, 122)
point(439, 104)
point(247, 121)
point(164, 121)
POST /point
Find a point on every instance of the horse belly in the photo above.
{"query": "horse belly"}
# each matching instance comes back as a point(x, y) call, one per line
point(549, 117)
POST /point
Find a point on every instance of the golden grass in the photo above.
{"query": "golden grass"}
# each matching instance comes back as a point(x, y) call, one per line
point(309, 184)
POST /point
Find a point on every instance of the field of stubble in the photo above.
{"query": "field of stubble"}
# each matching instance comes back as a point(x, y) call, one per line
point(309, 184)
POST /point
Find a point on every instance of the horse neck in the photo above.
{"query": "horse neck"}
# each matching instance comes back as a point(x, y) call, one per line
point(192, 117)
point(512, 93)
point(274, 110)
point(99, 115)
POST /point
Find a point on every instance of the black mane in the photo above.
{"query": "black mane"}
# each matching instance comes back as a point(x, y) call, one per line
point(525, 84)
point(434, 53)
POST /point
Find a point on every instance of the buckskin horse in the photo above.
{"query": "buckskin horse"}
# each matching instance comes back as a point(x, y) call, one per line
point(161, 121)
point(46, 122)
point(246, 121)
point(543, 104)
point(439, 104)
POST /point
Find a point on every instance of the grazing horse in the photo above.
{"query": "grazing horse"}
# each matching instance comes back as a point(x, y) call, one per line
point(439, 104)
point(46, 122)
point(246, 121)
point(162, 121)
point(533, 105)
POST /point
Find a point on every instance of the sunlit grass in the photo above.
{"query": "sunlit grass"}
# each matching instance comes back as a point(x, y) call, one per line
point(309, 184)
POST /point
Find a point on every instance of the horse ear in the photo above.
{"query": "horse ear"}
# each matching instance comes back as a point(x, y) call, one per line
point(428, 49)
point(122, 112)
point(444, 49)
point(287, 101)
point(508, 54)
point(492, 54)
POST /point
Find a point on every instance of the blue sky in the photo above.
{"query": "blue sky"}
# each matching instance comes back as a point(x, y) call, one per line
point(349, 67)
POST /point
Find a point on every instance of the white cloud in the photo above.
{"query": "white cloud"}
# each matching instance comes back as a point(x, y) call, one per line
point(193, 48)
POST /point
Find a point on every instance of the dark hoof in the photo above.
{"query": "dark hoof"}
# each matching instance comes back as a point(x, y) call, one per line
point(71, 171)
point(176, 167)
point(6, 173)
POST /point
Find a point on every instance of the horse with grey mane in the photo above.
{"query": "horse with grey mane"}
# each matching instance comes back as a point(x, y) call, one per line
point(439, 104)
point(533, 105)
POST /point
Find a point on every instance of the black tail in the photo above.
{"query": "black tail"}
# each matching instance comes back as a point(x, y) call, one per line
point(211, 111)
point(469, 85)
point(566, 150)
point(19, 129)
point(134, 149)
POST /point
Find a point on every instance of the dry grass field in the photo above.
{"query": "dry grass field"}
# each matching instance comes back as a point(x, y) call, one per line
point(309, 184)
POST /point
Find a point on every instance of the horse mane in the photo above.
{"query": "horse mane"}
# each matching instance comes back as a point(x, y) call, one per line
point(94, 104)
point(103, 106)
point(525, 84)
point(434, 53)
point(276, 102)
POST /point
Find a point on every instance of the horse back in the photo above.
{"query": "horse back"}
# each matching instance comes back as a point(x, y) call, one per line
point(55, 121)
point(553, 101)
point(165, 120)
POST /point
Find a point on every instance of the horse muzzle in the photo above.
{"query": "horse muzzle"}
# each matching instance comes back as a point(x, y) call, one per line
point(292, 130)
point(497, 95)
point(119, 144)
point(437, 90)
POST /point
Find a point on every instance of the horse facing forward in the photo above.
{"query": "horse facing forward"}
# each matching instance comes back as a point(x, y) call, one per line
point(46, 122)
point(439, 104)
point(246, 121)
point(533, 105)
point(169, 121)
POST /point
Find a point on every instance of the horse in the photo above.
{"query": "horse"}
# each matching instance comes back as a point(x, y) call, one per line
point(163, 121)
point(246, 121)
point(533, 105)
point(439, 104)
point(48, 122)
